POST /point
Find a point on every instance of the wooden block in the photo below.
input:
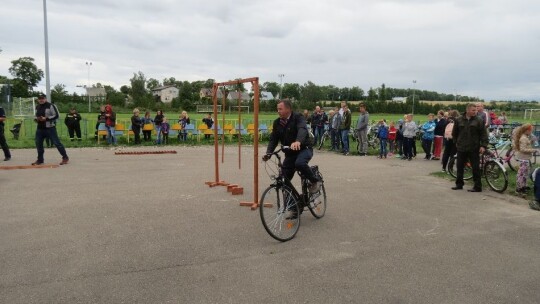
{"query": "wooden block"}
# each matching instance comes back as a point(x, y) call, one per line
point(230, 187)
point(237, 191)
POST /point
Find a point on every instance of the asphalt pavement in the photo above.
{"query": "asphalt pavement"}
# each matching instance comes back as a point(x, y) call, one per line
point(112, 228)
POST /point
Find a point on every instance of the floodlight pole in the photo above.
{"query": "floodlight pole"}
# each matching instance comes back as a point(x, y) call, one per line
point(88, 65)
point(47, 74)
point(281, 85)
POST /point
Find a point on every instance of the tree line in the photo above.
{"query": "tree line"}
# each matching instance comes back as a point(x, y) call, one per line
point(26, 76)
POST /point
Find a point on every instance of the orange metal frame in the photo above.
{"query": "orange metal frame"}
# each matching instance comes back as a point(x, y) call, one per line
point(235, 189)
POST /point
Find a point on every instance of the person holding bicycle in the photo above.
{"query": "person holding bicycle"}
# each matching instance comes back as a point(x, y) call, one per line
point(290, 129)
point(471, 138)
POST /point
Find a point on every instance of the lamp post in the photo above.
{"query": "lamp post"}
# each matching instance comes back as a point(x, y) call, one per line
point(88, 65)
point(281, 85)
point(47, 74)
point(414, 82)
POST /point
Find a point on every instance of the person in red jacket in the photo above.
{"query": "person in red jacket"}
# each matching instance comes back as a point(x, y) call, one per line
point(392, 132)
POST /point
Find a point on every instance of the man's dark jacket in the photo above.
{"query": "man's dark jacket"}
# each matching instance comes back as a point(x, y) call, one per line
point(294, 130)
point(469, 134)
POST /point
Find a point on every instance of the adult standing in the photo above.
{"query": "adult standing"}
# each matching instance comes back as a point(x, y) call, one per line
point(73, 123)
point(110, 124)
point(3, 142)
point(438, 142)
point(46, 116)
point(157, 122)
point(483, 114)
point(470, 135)
point(409, 132)
point(428, 129)
point(449, 145)
point(318, 120)
point(136, 125)
point(344, 127)
point(361, 129)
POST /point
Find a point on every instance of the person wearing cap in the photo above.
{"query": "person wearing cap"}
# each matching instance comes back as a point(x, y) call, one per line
point(46, 116)
point(3, 143)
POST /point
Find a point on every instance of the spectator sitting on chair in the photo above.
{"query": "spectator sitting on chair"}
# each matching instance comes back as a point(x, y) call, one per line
point(209, 122)
point(3, 143)
point(183, 121)
point(73, 123)
point(165, 127)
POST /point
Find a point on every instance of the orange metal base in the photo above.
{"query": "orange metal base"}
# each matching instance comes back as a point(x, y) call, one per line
point(44, 166)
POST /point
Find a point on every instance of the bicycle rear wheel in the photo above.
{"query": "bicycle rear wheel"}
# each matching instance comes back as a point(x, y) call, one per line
point(280, 213)
point(317, 205)
point(451, 167)
point(323, 139)
point(495, 176)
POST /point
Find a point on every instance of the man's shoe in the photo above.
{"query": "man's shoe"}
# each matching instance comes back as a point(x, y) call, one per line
point(64, 161)
point(7, 158)
point(37, 163)
point(346, 153)
point(534, 205)
point(315, 187)
point(292, 216)
point(457, 188)
point(475, 190)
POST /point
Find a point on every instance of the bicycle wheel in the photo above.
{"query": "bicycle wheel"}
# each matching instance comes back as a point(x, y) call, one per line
point(496, 176)
point(451, 167)
point(317, 204)
point(280, 213)
point(511, 160)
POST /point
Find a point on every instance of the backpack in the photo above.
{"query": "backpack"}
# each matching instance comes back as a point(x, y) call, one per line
point(448, 130)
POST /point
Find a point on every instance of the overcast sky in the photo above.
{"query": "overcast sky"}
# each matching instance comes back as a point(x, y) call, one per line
point(478, 48)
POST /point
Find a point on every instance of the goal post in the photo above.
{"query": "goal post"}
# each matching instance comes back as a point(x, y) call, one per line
point(530, 112)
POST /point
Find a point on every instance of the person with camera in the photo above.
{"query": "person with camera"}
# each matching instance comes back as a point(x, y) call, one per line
point(290, 129)
point(46, 116)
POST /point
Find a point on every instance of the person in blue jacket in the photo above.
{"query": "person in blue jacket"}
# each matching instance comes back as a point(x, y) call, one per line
point(382, 134)
point(428, 129)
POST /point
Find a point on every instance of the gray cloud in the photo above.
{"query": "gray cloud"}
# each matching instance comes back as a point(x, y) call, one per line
point(475, 47)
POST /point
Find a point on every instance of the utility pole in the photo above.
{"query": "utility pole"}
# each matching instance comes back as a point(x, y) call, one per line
point(47, 74)
point(414, 82)
point(281, 85)
point(88, 65)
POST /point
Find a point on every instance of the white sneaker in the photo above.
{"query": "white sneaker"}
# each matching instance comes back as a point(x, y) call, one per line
point(316, 187)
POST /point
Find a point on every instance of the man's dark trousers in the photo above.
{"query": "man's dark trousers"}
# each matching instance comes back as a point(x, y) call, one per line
point(299, 160)
point(474, 158)
point(3, 143)
point(41, 134)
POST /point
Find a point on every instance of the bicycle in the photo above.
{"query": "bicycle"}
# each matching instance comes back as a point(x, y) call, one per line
point(372, 140)
point(281, 204)
point(324, 137)
point(491, 168)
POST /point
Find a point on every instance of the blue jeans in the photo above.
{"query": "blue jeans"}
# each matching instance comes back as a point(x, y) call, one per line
point(158, 134)
point(50, 133)
point(383, 151)
point(345, 139)
point(334, 135)
point(110, 135)
point(318, 133)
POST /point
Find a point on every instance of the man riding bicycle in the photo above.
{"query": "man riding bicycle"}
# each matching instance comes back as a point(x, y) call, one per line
point(290, 129)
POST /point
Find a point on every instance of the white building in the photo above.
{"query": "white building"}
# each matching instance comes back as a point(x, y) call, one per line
point(166, 93)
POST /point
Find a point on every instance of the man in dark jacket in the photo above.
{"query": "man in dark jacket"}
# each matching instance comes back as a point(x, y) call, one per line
point(46, 116)
point(470, 136)
point(3, 143)
point(290, 129)
point(73, 123)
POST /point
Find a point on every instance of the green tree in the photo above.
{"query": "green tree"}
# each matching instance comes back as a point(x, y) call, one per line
point(311, 92)
point(152, 83)
point(291, 90)
point(272, 87)
point(141, 97)
point(24, 70)
point(382, 93)
point(372, 95)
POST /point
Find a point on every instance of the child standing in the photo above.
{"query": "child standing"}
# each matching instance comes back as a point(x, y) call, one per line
point(427, 137)
point(184, 121)
point(165, 130)
point(382, 133)
point(136, 125)
point(524, 152)
point(392, 133)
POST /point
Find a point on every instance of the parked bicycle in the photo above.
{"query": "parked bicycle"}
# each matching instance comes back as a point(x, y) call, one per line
point(325, 137)
point(491, 168)
point(372, 139)
point(281, 204)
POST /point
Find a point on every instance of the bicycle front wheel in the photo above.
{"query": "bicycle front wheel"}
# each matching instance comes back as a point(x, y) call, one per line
point(280, 213)
point(451, 167)
point(323, 139)
point(496, 176)
point(317, 204)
